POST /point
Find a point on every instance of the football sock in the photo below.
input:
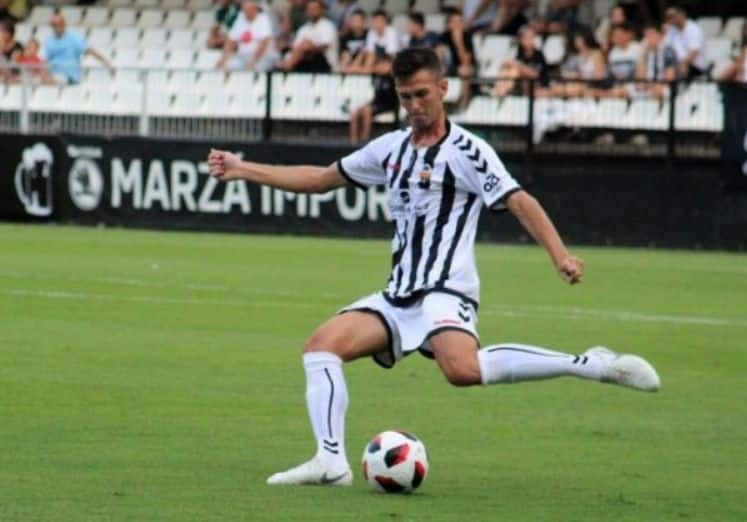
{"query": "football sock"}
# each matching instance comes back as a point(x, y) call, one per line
point(509, 363)
point(327, 400)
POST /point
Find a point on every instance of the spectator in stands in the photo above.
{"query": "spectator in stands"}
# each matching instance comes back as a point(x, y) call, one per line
point(226, 12)
point(64, 50)
point(479, 15)
point(385, 100)
point(617, 16)
point(417, 36)
point(583, 60)
point(529, 64)
point(31, 57)
point(340, 12)
point(13, 10)
point(510, 17)
point(687, 39)
point(561, 16)
point(315, 46)
point(458, 54)
point(10, 51)
point(381, 41)
point(353, 42)
point(622, 60)
point(250, 44)
point(657, 62)
point(737, 70)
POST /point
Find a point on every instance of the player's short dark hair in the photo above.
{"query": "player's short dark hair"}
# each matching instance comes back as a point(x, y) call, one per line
point(417, 18)
point(410, 61)
point(380, 12)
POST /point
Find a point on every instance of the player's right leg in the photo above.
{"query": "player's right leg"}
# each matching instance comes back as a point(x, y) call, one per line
point(343, 338)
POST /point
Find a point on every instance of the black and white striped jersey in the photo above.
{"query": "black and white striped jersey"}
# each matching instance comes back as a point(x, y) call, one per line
point(435, 197)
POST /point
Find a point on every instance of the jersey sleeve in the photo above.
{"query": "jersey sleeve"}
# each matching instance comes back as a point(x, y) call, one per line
point(486, 176)
point(366, 166)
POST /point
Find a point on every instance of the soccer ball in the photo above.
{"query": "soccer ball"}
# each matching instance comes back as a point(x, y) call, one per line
point(395, 462)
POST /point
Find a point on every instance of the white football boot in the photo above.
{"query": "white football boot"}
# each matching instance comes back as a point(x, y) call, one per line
point(312, 472)
point(626, 370)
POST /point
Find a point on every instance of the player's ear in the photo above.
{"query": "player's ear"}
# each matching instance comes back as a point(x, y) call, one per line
point(443, 86)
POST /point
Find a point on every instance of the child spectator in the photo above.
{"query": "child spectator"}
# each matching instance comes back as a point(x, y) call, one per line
point(385, 100)
point(458, 54)
point(353, 42)
point(529, 63)
point(658, 62)
point(381, 41)
point(584, 61)
point(37, 67)
point(416, 35)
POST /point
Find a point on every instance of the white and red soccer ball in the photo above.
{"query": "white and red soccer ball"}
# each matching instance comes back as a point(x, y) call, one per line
point(395, 462)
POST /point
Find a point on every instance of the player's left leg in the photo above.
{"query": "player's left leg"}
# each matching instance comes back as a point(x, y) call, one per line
point(463, 364)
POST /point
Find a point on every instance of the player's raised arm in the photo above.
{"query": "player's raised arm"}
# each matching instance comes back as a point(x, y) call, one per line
point(533, 218)
point(227, 166)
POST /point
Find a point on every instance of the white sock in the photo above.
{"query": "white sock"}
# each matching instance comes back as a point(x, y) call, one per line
point(509, 363)
point(327, 400)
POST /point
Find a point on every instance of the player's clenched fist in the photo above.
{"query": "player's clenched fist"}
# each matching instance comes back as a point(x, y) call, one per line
point(224, 165)
point(571, 269)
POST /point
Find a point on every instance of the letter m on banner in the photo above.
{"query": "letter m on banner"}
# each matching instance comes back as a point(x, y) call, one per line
point(734, 139)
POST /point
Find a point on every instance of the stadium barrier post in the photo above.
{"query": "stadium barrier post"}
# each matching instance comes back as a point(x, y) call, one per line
point(23, 122)
point(144, 122)
point(671, 131)
point(530, 122)
point(267, 122)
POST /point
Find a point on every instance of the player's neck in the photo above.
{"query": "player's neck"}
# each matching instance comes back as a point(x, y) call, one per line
point(429, 136)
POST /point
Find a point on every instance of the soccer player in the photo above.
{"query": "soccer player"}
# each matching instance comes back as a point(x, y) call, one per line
point(439, 176)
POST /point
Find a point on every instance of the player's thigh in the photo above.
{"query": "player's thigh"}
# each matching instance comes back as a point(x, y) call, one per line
point(350, 335)
point(456, 354)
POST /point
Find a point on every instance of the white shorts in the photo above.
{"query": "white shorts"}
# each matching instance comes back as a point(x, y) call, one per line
point(410, 327)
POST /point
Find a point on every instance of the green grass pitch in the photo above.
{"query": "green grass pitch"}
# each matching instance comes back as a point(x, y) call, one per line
point(156, 376)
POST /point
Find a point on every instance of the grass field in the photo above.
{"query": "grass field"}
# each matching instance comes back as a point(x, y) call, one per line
point(156, 376)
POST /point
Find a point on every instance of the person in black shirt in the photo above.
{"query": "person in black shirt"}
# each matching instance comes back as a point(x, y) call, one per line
point(354, 40)
point(11, 50)
point(529, 63)
point(417, 36)
point(384, 100)
point(458, 54)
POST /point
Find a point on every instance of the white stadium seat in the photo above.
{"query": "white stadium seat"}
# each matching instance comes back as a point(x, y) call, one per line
point(177, 19)
point(153, 58)
point(241, 83)
point(123, 17)
point(718, 49)
point(45, 98)
point(182, 79)
point(24, 32)
point(127, 57)
point(435, 22)
point(182, 39)
point(127, 77)
point(73, 99)
point(609, 113)
point(181, 59)
point(40, 15)
point(514, 110)
point(157, 80)
point(10, 97)
point(186, 103)
point(146, 3)
point(399, 22)
point(96, 17)
point(452, 92)
point(172, 4)
point(203, 20)
point(91, 62)
point(642, 114)
point(711, 25)
point(42, 33)
point(128, 101)
point(72, 13)
point(733, 29)
point(397, 6)
point(207, 59)
point(100, 37)
point(554, 49)
point(369, 5)
point(494, 48)
point(216, 104)
point(118, 3)
point(153, 37)
point(126, 38)
point(158, 102)
point(98, 76)
point(150, 18)
point(427, 6)
point(197, 5)
point(210, 81)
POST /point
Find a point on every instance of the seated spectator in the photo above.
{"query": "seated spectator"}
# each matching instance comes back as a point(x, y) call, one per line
point(291, 20)
point(561, 16)
point(479, 15)
point(13, 10)
point(688, 41)
point(584, 60)
point(529, 64)
point(657, 62)
point(11, 50)
point(249, 45)
point(416, 35)
point(315, 46)
point(37, 67)
point(226, 12)
point(737, 70)
point(64, 50)
point(353, 42)
point(457, 51)
point(510, 17)
point(340, 12)
point(381, 41)
point(622, 60)
point(618, 16)
point(385, 100)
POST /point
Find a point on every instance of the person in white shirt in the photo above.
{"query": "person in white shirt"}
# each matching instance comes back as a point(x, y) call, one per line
point(688, 41)
point(622, 61)
point(737, 70)
point(315, 46)
point(250, 44)
point(382, 40)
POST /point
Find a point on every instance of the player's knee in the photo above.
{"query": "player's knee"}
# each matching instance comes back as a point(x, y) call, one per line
point(462, 377)
point(321, 341)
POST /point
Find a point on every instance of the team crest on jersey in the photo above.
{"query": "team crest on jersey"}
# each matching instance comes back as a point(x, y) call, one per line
point(425, 178)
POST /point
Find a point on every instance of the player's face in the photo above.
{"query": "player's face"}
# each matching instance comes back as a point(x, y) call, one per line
point(422, 97)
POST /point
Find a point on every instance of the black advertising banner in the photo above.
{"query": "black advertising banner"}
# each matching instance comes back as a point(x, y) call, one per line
point(27, 167)
point(734, 140)
point(165, 184)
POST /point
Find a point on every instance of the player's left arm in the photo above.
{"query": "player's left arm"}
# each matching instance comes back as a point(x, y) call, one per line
point(534, 219)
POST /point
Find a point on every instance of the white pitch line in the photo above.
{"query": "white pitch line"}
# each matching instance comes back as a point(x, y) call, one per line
point(515, 311)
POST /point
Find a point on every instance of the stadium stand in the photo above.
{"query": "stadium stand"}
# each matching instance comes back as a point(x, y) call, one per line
point(163, 69)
